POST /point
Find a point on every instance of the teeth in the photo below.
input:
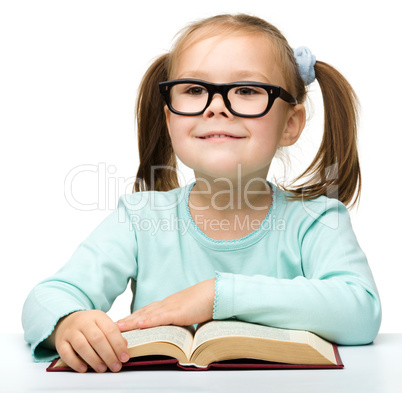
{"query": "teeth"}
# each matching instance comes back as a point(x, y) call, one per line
point(216, 136)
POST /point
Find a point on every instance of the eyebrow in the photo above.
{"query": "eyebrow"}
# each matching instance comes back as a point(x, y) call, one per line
point(240, 75)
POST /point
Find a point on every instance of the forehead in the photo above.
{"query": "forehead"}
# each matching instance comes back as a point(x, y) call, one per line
point(227, 58)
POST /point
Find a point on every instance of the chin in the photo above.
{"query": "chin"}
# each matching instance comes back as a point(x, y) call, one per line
point(221, 171)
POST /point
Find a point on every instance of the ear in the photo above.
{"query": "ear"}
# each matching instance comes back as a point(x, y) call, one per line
point(294, 125)
point(167, 117)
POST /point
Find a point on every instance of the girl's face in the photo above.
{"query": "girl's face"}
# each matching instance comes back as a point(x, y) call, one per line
point(224, 60)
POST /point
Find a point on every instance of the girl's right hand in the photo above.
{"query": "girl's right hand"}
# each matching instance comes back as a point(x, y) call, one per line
point(90, 338)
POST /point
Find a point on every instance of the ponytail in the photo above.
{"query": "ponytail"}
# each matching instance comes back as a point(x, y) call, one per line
point(157, 169)
point(335, 170)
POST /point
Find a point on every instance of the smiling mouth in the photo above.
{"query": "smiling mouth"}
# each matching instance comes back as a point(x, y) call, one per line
point(221, 136)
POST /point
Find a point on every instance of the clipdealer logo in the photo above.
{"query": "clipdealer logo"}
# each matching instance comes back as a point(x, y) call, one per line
point(110, 187)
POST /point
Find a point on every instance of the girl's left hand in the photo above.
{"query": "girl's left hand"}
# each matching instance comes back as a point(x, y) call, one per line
point(190, 306)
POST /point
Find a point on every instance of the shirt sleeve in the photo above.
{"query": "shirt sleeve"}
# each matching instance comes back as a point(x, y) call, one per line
point(97, 272)
point(335, 297)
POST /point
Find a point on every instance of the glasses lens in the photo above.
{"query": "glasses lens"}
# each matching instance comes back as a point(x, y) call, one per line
point(188, 98)
point(248, 100)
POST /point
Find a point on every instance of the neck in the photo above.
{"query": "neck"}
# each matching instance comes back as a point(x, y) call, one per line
point(229, 196)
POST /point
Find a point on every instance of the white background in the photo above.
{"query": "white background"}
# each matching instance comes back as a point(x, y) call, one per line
point(69, 71)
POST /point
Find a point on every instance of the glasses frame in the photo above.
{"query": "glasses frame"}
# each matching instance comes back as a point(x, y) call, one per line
point(273, 91)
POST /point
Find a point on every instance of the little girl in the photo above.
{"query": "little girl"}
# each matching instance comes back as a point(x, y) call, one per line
point(231, 244)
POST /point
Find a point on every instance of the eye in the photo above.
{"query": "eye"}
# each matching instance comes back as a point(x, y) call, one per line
point(247, 91)
point(195, 90)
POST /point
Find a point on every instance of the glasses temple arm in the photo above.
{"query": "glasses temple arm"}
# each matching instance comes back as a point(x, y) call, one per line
point(287, 97)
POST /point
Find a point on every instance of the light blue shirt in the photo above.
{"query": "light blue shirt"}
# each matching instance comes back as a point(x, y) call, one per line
point(301, 269)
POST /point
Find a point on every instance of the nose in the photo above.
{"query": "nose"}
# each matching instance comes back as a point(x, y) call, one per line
point(217, 107)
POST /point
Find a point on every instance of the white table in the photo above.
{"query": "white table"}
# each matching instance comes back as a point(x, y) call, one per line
point(372, 368)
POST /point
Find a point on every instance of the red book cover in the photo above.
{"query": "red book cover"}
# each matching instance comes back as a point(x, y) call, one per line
point(168, 363)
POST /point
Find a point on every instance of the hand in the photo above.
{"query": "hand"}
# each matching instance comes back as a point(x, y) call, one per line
point(90, 337)
point(187, 307)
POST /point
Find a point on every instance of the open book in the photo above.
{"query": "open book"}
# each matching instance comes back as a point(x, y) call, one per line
point(244, 345)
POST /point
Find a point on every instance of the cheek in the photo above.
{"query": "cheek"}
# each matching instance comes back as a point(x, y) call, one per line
point(265, 138)
point(180, 126)
point(179, 129)
point(273, 124)
point(266, 130)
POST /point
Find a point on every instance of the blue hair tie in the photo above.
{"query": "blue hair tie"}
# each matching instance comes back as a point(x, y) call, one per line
point(305, 61)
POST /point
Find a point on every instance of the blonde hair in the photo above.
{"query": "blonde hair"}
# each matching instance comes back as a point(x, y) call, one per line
point(334, 171)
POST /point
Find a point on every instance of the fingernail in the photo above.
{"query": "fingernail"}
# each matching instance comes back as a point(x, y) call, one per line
point(120, 324)
point(124, 357)
point(102, 368)
point(116, 366)
point(82, 368)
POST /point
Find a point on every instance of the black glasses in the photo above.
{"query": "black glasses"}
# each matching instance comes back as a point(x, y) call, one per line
point(190, 97)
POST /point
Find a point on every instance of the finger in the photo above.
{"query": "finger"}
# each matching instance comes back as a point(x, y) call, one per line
point(132, 321)
point(117, 342)
point(84, 349)
point(104, 351)
point(156, 319)
point(69, 356)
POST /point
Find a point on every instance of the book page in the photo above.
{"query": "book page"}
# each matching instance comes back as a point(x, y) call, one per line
point(216, 329)
point(179, 336)
point(322, 346)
